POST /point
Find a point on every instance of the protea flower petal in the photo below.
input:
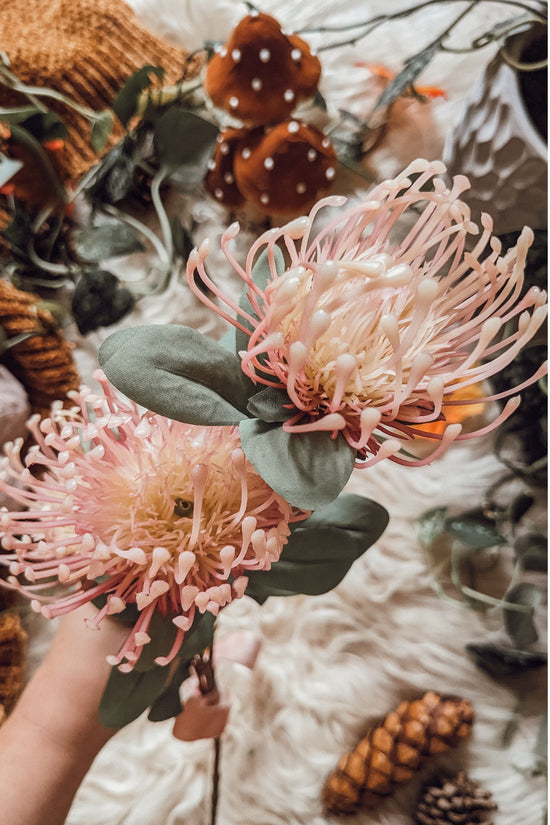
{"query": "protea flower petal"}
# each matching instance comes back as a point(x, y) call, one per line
point(372, 336)
point(139, 509)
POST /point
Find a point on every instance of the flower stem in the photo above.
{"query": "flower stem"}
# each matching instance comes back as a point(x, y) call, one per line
point(215, 781)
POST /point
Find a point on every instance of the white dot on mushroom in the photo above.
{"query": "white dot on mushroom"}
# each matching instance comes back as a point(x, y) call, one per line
point(236, 55)
point(245, 153)
point(269, 163)
point(224, 148)
point(265, 55)
point(295, 54)
point(311, 155)
point(264, 198)
point(330, 173)
point(233, 102)
point(301, 188)
point(218, 194)
point(256, 84)
point(289, 95)
point(228, 177)
point(293, 127)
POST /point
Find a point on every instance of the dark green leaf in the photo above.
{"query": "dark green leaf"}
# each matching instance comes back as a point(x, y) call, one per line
point(162, 631)
point(108, 240)
point(114, 177)
point(101, 130)
point(177, 372)
point(271, 405)
point(125, 104)
point(531, 550)
point(320, 101)
point(183, 143)
point(168, 703)
point(360, 516)
point(261, 275)
point(45, 126)
point(99, 300)
point(431, 524)
point(127, 695)
point(519, 624)
point(406, 77)
point(9, 168)
point(474, 528)
point(308, 469)
point(18, 232)
point(501, 661)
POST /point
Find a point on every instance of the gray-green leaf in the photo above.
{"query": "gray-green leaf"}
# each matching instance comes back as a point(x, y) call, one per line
point(177, 372)
point(125, 104)
point(101, 130)
point(271, 405)
point(183, 142)
point(519, 624)
point(474, 528)
point(127, 695)
point(308, 469)
point(108, 240)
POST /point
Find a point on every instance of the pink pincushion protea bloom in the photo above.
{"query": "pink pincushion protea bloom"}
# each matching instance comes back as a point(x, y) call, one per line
point(151, 512)
point(370, 336)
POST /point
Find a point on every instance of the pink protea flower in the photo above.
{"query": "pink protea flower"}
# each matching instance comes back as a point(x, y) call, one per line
point(154, 513)
point(370, 336)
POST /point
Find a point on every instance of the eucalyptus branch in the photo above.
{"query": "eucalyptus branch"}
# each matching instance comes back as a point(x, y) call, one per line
point(370, 24)
point(144, 230)
point(166, 95)
point(33, 93)
point(164, 221)
point(47, 266)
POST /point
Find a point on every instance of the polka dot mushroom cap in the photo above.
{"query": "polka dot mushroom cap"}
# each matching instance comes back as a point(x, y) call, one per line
point(261, 73)
point(282, 170)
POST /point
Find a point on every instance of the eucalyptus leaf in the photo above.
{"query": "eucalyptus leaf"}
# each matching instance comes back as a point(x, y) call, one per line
point(162, 631)
point(431, 525)
point(101, 130)
point(127, 695)
point(308, 469)
point(125, 104)
point(168, 703)
point(519, 624)
point(177, 372)
point(474, 528)
point(531, 550)
point(16, 114)
point(321, 549)
point(108, 240)
point(9, 168)
point(501, 661)
point(271, 405)
point(183, 142)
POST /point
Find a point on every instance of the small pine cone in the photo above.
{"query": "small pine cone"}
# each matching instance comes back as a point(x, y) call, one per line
point(390, 753)
point(458, 801)
point(12, 653)
point(43, 363)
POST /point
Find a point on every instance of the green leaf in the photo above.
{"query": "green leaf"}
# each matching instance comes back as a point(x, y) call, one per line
point(9, 168)
point(162, 631)
point(308, 469)
point(108, 240)
point(183, 143)
point(101, 130)
point(531, 550)
point(500, 661)
point(168, 703)
point(269, 405)
point(261, 275)
point(519, 624)
point(431, 525)
point(321, 549)
point(177, 372)
point(125, 104)
point(127, 695)
point(474, 528)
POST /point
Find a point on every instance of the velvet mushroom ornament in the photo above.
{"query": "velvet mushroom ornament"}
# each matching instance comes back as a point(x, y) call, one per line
point(261, 74)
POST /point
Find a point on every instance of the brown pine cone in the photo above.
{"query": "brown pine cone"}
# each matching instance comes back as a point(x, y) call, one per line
point(458, 801)
point(390, 753)
point(12, 653)
point(43, 363)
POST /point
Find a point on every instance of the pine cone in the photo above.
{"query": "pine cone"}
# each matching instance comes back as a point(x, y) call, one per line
point(43, 363)
point(458, 801)
point(12, 654)
point(390, 753)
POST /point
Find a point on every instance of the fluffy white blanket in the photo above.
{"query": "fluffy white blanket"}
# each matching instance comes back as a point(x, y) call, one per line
point(329, 665)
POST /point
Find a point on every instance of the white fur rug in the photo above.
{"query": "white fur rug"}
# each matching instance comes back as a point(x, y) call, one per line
point(333, 664)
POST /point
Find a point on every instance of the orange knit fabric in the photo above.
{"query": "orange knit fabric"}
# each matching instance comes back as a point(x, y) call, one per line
point(85, 49)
